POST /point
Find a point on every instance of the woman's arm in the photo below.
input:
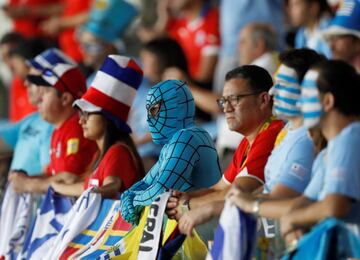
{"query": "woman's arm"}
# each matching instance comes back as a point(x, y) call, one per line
point(110, 188)
point(74, 189)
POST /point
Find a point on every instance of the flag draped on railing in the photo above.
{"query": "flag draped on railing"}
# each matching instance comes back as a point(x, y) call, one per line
point(48, 223)
point(16, 211)
point(235, 237)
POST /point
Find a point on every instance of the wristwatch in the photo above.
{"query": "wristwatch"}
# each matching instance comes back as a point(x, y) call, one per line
point(185, 206)
point(256, 207)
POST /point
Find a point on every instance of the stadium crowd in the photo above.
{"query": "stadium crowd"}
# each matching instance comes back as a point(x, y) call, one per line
point(243, 107)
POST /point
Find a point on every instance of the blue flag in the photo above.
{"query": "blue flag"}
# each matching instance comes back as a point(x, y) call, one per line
point(47, 224)
point(235, 237)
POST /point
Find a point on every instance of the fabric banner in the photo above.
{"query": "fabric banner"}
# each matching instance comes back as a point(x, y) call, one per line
point(155, 229)
point(81, 215)
point(235, 237)
point(104, 232)
point(48, 223)
point(16, 213)
point(143, 240)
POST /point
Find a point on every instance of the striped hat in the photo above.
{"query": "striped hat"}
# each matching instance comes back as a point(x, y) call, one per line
point(58, 71)
point(309, 102)
point(286, 92)
point(113, 90)
point(346, 20)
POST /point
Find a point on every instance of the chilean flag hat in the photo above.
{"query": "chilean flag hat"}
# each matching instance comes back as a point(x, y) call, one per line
point(113, 90)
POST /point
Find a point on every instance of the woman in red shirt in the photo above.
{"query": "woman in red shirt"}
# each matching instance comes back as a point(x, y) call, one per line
point(103, 111)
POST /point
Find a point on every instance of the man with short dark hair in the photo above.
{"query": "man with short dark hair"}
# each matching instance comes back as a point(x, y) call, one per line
point(248, 110)
point(61, 82)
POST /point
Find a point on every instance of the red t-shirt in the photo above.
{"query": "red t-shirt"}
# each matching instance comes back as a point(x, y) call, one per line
point(197, 38)
point(118, 162)
point(19, 105)
point(70, 151)
point(67, 38)
point(29, 26)
point(251, 161)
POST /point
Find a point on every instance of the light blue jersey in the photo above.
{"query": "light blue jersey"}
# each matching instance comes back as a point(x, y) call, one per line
point(342, 166)
point(337, 171)
point(290, 162)
point(30, 139)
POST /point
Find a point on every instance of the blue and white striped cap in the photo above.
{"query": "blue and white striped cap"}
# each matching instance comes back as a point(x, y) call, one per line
point(346, 20)
point(309, 103)
point(286, 92)
point(59, 71)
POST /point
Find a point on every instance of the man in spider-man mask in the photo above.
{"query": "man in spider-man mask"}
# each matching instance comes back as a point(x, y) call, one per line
point(188, 160)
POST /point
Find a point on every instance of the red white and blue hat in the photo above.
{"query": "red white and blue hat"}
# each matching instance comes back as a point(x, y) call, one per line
point(59, 71)
point(346, 20)
point(113, 90)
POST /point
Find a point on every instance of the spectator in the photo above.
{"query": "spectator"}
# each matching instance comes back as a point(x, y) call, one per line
point(288, 169)
point(247, 107)
point(19, 105)
point(28, 15)
point(73, 14)
point(257, 46)
point(188, 160)
point(343, 34)
point(30, 137)
point(105, 26)
point(194, 24)
point(331, 100)
point(103, 115)
point(269, 12)
point(311, 17)
point(61, 83)
point(156, 56)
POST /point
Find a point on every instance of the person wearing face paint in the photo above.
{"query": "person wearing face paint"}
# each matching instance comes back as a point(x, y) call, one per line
point(103, 110)
point(188, 160)
point(330, 98)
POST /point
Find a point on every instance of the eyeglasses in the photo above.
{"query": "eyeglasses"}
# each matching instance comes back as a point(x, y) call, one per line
point(84, 115)
point(233, 99)
point(154, 110)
